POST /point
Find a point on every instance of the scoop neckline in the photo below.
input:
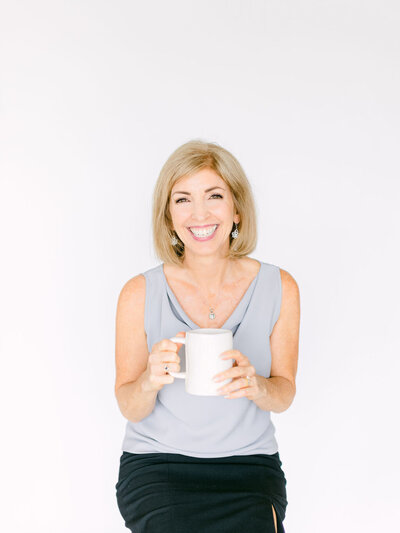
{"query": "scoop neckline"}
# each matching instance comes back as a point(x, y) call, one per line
point(231, 316)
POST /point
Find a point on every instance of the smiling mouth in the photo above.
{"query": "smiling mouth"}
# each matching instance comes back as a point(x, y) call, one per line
point(204, 231)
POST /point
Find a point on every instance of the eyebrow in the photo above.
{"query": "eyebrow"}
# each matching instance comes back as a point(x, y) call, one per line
point(207, 190)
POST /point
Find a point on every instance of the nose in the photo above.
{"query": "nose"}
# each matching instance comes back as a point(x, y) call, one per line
point(200, 211)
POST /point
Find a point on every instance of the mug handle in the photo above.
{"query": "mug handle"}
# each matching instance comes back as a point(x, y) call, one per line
point(181, 375)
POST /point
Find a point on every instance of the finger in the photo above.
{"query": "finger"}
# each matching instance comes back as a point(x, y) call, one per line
point(230, 354)
point(173, 367)
point(241, 393)
point(166, 357)
point(237, 356)
point(162, 379)
point(238, 383)
point(180, 334)
point(158, 369)
point(235, 371)
point(166, 345)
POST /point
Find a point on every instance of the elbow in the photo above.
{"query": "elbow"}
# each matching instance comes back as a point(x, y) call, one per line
point(289, 397)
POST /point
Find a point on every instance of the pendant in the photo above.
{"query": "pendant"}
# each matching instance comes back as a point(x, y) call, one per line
point(212, 314)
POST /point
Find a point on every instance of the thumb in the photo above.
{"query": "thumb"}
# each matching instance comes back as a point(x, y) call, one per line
point(181, 334)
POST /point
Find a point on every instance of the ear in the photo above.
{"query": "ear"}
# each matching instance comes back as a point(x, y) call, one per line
point(236, 218)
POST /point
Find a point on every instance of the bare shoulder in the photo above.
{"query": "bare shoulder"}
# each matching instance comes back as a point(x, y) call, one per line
point(285, 334)
point(134, 288)
point(290, 301)
point(289, 284)
point(131, 350)
point(131, 306)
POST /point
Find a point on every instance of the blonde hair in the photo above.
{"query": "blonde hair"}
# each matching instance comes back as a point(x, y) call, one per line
point(184, 161)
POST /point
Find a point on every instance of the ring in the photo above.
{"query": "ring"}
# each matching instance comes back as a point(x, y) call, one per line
point(166, 368)
point(248, 381)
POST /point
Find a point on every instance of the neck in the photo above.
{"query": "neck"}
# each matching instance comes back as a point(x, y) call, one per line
point(208, 273)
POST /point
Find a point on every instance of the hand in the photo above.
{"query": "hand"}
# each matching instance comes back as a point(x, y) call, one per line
point(162, 353)
point(238, 387)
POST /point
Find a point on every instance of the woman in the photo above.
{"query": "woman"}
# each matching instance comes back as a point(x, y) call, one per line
point(204, 463)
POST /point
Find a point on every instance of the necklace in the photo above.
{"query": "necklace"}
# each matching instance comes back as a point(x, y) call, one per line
point(211, 313)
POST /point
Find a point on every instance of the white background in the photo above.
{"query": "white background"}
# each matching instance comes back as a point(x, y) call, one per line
point(95, 96)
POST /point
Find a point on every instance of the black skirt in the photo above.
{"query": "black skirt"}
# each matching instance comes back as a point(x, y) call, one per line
point(174, 493)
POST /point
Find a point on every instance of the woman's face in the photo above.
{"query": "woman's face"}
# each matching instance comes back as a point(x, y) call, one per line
point(193, 205)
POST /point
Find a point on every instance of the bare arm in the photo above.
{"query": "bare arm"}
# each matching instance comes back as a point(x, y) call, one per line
point(134, 402)
point(280, 388)
point(139, 375)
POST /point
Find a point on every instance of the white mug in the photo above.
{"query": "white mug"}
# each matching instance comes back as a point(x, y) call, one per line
point(203, 348)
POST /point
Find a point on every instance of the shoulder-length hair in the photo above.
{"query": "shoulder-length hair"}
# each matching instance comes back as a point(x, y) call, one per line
point(184, 161)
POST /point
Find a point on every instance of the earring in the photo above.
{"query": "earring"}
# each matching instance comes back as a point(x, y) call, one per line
point(235, 232)
point(174, 240)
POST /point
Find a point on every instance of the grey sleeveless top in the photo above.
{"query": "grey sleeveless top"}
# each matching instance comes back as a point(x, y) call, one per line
point(209, 426)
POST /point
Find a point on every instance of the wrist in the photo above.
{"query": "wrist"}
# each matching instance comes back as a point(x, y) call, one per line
point(260, 396)
point(144, 382)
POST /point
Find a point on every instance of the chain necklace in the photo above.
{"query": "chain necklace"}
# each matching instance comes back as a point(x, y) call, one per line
point(211, 313)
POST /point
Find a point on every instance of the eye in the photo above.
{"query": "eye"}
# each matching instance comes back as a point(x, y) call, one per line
point(215, 194)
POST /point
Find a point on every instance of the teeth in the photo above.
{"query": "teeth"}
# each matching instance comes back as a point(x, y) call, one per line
point(203, 232)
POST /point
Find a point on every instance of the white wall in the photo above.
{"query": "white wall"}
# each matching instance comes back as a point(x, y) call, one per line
point(94, 97)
